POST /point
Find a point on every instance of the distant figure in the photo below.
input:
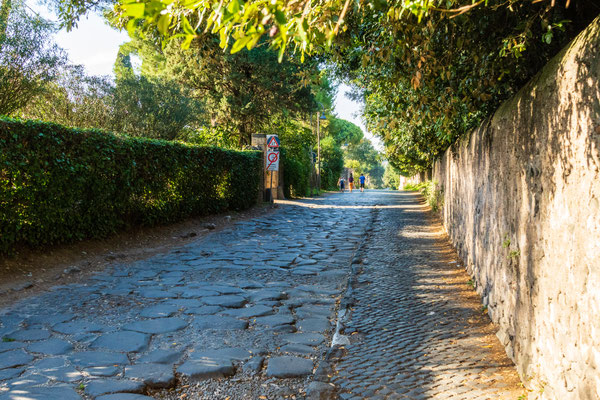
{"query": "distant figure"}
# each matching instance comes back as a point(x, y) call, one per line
point(341, 184)
point(351, 182)
point(362, 182)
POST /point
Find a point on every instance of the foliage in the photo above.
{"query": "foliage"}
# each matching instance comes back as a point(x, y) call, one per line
point(28, 57)
point(156, 108)
point(297, 141)
point(241, 93)
point(364, 159)
point(74, 99)
point(426, 81)
point(59, 184)
point(332, 163)
point(391, 177)
point(429, 189)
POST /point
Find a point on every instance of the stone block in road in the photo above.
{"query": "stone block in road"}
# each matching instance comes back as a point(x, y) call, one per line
point(41, 393)
point(320, 391)
point(162, 356)
point(249, 312)
point(98, 359)
point(153, 375)
point(50, 347)
point(77, 327)
point(30, 335)
point(159, 311)
point(158, 325)
point(314, 324)
point(275, 320)
point(14, 358)
point(228, 301)
point(207, 368)
point(289, 367)
point(308, 339)
point(124, 341)
point(107, 386)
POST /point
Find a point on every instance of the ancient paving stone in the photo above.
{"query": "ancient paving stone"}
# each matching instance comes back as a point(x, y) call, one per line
point(197, 293)
point(207, 368)
point(289, 367)
point(6, 346)
point(107, 386)
point(161, 356)
point(229, 301)
point(275, 320)
point(218, 322)
point(65, 374)
point(308, 339)
point(31, 335)
point(50, 347)
point(159, 325)
point(254, 365)
point(313, 324)
point(157, 294)
point(320, 391)
point(124, 396)
point(297, 348)
point(153, 375)
point(41, 393)
point(249, 312)
point(159, 310)
point(77, 327)
point(267, 294)
point(204, 310)
point(105, 371)
point(125, 341)
point(223, 289)
point(98, 359)
point(10, 373)
point(51, 319)
point(14, 358)
point(227, 353)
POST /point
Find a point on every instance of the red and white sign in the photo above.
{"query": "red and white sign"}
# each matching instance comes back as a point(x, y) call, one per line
point(272, 159)
point(273, 141)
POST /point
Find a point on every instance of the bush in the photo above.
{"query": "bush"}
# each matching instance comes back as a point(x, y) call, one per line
point(434, 197)
point(59, 184)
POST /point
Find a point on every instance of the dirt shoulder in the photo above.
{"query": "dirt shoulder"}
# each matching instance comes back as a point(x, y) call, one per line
point(31, 271)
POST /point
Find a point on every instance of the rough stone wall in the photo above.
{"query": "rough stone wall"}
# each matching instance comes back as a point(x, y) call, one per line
point(522, 207)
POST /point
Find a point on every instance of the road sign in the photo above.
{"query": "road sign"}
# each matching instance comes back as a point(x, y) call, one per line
point(272, 159)
point(273, 141)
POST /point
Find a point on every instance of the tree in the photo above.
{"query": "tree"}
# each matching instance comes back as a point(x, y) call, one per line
point(28, 57)
point(150, 107)
point(242, 92)
point(74, 99)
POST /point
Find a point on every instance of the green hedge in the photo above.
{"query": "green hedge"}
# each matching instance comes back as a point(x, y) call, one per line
point(59, 184)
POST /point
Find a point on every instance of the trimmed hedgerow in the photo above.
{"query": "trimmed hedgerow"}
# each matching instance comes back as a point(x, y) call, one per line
point(59, 184)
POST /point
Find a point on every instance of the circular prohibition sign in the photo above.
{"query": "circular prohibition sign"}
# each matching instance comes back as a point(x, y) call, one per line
point(272, 158)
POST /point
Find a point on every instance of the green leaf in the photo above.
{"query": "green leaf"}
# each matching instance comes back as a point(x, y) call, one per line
point(240, 43)
point(163, 23)
point(134, 10)
point(280, 17)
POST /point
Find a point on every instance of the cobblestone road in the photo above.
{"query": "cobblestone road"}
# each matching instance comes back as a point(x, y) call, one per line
point(249, 312)
point(417, 328)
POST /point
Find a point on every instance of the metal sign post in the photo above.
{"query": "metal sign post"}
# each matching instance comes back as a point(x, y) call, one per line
point(272, 159)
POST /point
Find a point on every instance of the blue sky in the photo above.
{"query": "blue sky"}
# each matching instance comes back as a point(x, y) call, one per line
point(95, 45)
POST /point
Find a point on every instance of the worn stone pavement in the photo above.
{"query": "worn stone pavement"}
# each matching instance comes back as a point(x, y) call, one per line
point(250, 311)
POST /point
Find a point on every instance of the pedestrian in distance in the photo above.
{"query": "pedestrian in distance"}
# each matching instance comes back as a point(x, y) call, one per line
point(362, 182)
point(341, 184)
point(351, 182)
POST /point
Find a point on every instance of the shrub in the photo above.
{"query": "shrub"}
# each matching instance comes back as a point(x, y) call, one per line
point(59, 184)
point(434, 197)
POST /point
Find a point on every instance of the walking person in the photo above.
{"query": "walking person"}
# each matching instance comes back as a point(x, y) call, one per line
point(362, 182)
point(351, 182)
point(341, 184)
